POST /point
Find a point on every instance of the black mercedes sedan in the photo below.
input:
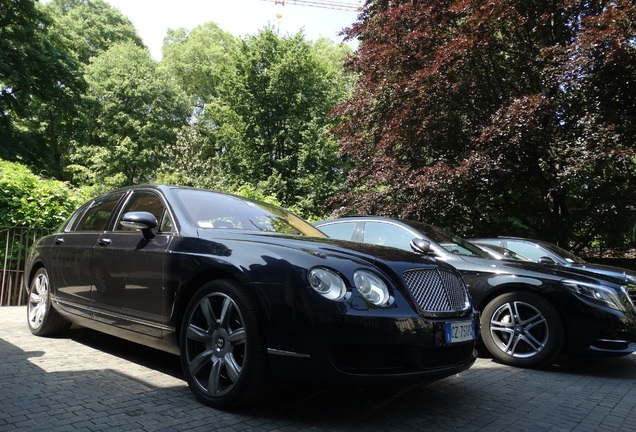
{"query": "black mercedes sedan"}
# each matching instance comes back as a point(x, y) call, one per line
point(247, 293)
point(550, 254)
point(530, 313)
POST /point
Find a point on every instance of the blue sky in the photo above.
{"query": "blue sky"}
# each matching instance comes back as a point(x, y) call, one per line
point(152, 18)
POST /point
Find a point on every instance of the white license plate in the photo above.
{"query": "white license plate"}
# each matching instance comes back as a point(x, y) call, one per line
point(459, 331)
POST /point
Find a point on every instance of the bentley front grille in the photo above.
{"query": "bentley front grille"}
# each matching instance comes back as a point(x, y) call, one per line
point(437, 290)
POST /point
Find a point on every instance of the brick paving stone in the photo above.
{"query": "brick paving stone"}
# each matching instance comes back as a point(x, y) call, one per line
point(92, 382)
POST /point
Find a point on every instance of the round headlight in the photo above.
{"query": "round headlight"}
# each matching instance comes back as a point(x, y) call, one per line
point(372, 288)
point(327, 283)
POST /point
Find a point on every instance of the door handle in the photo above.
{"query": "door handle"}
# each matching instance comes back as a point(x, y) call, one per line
point(104, 241)
point(59, 240)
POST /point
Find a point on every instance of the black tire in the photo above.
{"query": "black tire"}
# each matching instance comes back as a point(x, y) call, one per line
point(42, 318)
point(522, 329)
point(223, 351)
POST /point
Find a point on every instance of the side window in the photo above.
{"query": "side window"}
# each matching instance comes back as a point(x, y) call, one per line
point(151, 202)
point(387, 235)
point(343, 231)
point(166, 225)
point(98, 213)
point(73, 222)
point(525, 249)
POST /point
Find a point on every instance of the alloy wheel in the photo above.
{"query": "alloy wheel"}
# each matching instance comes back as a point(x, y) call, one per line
point(215, 346)
point(38, 300)
point(519, 329)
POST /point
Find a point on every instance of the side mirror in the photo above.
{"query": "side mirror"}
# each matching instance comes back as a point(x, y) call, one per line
point(546, 260)
point(420, 246)
point(142, 220)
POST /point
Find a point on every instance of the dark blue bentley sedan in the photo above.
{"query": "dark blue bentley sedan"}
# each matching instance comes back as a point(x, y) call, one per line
point(245, 291)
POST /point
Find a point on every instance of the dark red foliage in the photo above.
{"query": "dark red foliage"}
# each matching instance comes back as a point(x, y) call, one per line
point(494, 116)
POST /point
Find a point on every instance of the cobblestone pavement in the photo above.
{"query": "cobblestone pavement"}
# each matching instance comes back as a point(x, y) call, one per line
point(92, 382)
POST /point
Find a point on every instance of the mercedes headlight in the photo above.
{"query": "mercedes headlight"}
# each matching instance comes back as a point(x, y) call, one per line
point(598, 293)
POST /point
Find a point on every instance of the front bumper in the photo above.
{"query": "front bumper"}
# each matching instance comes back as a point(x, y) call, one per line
point(363, 350)
point(598, 331)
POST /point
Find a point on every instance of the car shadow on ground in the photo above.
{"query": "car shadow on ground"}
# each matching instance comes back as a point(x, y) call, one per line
point(600, 367)
point(157, 360)
point(338, 408)
point(488, 396)
point(288, 401)
point(613, 367)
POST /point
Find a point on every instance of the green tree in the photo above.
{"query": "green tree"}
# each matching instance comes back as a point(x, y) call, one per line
point(202, 60)
point(132, 111)
point(265, 125)
point(38, 77)
point(43, 52)
point(87, 28)
point(497, 117)
point(90, 27)
point(283, 93)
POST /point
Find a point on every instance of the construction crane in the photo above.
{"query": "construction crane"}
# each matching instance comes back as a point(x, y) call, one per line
point(352, 6)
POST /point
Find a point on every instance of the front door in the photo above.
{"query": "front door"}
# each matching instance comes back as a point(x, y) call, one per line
point(128, 286)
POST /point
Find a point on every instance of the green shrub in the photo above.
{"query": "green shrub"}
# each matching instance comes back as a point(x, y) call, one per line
point(28, 200)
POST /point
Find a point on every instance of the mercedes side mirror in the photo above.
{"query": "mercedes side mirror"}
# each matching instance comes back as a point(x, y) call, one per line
point(421, 246)
point(546, 260)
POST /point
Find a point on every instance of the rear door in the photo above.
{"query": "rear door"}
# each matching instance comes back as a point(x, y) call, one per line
point(72, 251)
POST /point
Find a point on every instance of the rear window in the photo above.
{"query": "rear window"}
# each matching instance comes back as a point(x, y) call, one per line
point(343, 231)
point(98, 214)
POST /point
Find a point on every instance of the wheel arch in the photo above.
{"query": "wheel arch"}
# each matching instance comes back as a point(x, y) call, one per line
point(187, 291)
point(37, 265)
point(513, 287)
point(232, 350)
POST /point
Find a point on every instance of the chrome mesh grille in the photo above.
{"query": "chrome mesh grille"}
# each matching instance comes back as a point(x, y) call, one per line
point(437, 290)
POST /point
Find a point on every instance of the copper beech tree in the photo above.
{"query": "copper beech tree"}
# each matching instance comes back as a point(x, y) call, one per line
point(495, 116)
